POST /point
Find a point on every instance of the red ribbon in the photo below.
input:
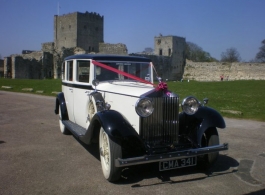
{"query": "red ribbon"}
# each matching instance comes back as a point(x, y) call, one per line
point(162, 86)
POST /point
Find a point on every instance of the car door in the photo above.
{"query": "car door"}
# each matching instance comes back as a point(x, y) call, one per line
point(81, 93)
point(68, 89)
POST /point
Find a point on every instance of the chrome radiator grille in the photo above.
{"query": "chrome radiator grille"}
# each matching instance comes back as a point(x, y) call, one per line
point(161, 128)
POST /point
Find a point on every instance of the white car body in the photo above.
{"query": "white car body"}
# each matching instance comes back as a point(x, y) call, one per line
point(112, 100)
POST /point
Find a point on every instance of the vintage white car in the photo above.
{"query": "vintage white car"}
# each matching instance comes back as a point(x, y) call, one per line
point(112, 100)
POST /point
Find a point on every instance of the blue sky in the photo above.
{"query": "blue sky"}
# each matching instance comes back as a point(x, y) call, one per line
point(214, 25)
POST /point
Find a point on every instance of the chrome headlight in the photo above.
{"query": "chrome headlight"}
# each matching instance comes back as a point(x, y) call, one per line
point(190, 105)
point(144, 107)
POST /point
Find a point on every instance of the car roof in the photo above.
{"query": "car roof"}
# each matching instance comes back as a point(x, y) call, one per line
point(109, 57)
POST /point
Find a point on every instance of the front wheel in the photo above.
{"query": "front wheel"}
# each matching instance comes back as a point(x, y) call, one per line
point(109, 151)
point(210, 138)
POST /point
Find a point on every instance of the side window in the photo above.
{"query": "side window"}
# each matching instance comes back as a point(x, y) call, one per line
point(83, 68)
point(69, 71)
point(63, 70)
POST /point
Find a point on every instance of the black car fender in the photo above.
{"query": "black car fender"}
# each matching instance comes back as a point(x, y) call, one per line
point(210, 118)
point(118, 129)
point(60, 101)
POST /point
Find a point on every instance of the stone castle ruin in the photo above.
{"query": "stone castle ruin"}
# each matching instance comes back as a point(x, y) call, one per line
point(74, 33)
point(79, 33)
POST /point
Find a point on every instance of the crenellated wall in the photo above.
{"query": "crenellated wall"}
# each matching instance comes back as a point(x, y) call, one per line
point(108, 48)
point(211, 71)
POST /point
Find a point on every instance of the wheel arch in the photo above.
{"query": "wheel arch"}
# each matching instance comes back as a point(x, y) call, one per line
point(117, 128)
point(211, 120)
point(60, 103)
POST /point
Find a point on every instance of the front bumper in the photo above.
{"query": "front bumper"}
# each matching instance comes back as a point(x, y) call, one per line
point(169, 156)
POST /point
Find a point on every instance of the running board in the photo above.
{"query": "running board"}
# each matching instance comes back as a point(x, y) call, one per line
point(76, 129)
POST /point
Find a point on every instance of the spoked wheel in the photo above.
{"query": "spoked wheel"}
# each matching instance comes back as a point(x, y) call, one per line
point(92, 109)
point(210, 138)
point(109, 151)
point(63, 129)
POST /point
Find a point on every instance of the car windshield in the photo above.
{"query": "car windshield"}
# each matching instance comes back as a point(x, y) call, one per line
point(141, 70)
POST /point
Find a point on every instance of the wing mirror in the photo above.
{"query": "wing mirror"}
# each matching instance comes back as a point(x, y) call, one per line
point(205, 101)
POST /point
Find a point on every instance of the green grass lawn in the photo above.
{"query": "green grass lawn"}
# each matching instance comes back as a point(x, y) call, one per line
point(47, 86)
point(243, 96)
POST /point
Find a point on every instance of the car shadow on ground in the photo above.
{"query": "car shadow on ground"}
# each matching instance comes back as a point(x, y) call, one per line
point(92, 148)
point(2, 142)
point(259, 192)
point(134, 174)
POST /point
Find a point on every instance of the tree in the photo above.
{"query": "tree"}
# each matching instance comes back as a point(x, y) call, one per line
point(148, 50)
point(260, 56)
point(231, 55)
point(196, 53)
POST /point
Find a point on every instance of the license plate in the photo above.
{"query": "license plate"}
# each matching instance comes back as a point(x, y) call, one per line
point(177, 163)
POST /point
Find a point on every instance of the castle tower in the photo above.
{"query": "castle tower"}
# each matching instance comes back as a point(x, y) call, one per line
point(174, 47)
point(77, 29)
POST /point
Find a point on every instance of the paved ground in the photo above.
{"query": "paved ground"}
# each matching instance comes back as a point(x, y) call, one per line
point(35, 158)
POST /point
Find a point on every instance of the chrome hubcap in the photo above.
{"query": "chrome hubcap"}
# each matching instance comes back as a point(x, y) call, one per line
point(104, 150)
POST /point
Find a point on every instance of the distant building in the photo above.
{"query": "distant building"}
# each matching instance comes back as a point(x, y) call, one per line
point(1, 68)
point(84, 30)
point(174, 47)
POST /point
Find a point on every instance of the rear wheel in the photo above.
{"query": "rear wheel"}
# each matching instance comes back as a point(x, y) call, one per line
point(210, 138)
point(63, 129)
point(109, 151)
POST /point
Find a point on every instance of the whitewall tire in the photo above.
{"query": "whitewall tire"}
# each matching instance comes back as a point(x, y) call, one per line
point(109, 151)
point(63, 129)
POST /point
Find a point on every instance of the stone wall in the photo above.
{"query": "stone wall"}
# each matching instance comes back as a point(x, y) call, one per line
point(34, 65)
point(211, 71)
point(107, 48)
point(47, 47)
point(7, 67)
point(27, 66)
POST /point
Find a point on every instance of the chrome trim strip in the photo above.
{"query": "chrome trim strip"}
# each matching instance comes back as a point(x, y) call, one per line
point(74, 85)
point(169, 156)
